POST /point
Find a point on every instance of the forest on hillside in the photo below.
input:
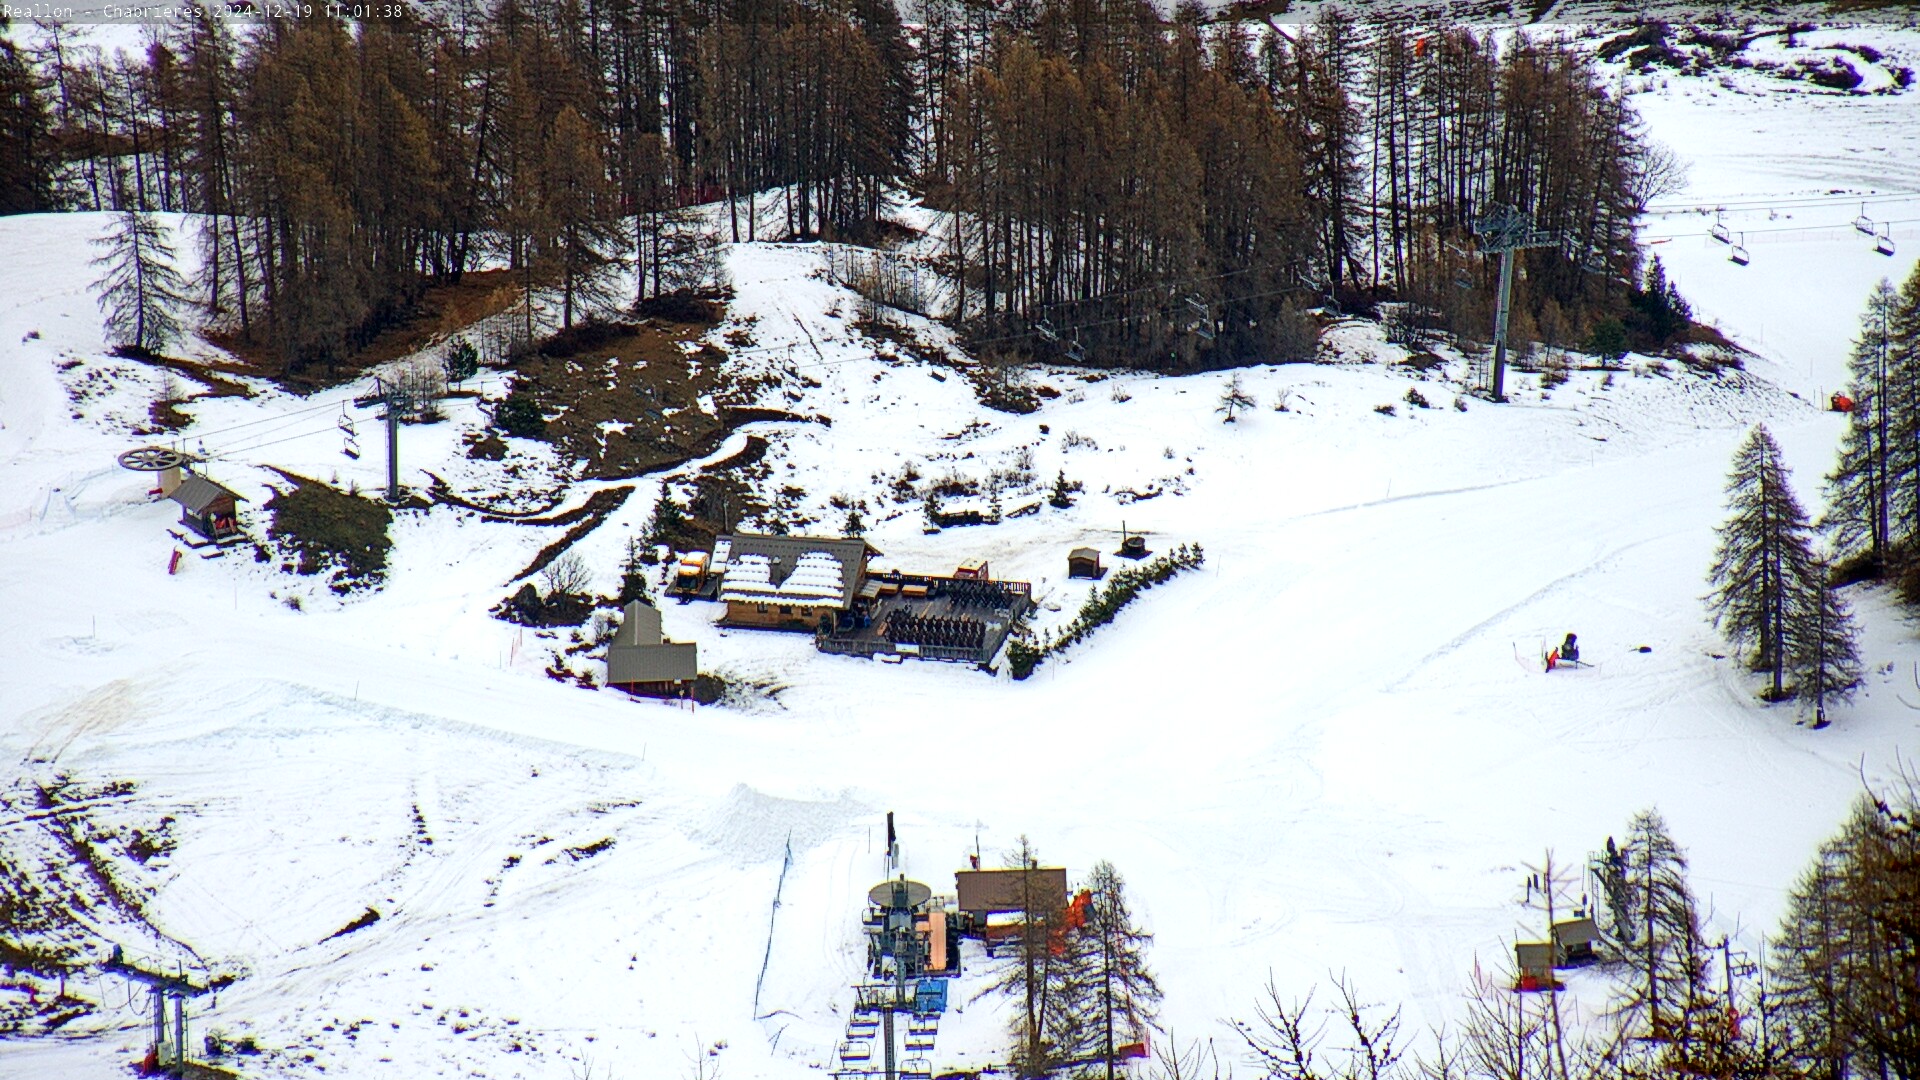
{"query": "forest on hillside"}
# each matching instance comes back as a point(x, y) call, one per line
point(1123, 187)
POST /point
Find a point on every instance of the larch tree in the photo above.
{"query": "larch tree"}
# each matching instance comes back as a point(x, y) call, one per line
point(1125, 996)
point(1902, 332)
point(1822, 659)
point(1859, 492)
point(139, 288)
point(26, 146)
point(1846, 967)
point(587, 235)
point(1666, 952)
point(1234, 400)
point(1033, 976)
point(1770, 593)
point(1810, 963)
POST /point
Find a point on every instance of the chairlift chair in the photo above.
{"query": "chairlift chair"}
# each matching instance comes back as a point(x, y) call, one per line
point(1863, 223)
point(1883, 243)
point(1075, 351)
point(1739, 255)
point(1045, 330)
point(1462, 281)
point(1720, 231)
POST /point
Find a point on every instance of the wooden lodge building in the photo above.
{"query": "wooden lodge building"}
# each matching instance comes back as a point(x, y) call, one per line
point(788, 582)
point(641, 661)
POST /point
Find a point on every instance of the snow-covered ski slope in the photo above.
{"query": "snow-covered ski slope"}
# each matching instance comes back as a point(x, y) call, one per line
point(1332, 750)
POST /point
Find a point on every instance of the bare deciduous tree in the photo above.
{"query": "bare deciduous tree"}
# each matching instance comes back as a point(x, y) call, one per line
point(567, 575)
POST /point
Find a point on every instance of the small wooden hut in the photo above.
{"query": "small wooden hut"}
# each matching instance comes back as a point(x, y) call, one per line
point(207, 508)
point(1084, 562)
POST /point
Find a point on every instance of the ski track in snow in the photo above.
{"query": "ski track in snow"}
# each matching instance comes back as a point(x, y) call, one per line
point(1312, 757)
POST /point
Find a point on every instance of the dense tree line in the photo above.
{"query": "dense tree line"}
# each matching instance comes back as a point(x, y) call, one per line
point(1167, 190)
point(340, 169)
point(1127, 188)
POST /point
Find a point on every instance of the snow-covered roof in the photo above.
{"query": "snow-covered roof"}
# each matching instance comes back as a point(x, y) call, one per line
point(813, 571)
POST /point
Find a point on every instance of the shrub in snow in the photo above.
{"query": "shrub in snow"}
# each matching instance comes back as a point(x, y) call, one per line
point(1608, 340)
point(518, 415)
point(1416, 399)
point(462, 361)
point(1384, 410)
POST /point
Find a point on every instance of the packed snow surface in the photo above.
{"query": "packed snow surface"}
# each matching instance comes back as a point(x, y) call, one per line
point(1332, 750)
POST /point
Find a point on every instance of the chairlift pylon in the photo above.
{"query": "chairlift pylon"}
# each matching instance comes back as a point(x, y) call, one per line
point(1738, 256)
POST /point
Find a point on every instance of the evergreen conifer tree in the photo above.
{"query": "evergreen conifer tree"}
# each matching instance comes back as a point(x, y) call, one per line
point(462, 361)
point(139, 286)
point(1608, 340)
point(633, 574)
point(668, 520)
point(1062, 495)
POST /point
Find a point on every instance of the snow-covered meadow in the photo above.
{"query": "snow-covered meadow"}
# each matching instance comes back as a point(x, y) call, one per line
point(1330, 751)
